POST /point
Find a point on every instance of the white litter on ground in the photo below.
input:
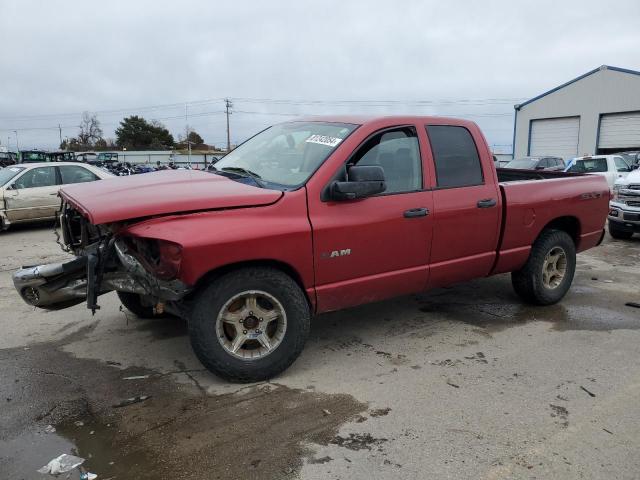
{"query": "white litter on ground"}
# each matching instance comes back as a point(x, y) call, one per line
point(62, 464)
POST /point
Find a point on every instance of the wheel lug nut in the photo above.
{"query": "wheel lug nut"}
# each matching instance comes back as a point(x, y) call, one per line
point(244, 332)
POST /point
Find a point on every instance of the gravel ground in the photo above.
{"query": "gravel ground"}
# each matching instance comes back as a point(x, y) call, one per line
point(463, 382)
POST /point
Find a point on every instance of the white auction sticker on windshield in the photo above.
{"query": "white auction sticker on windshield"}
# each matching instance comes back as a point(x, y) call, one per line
point(324, 140)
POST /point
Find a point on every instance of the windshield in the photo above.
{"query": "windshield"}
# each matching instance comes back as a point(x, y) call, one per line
point(525, 163)
point(8, 173)
point(631, 157)
point(286, 154)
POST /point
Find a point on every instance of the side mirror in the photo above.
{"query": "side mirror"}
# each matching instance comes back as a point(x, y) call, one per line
point(634, 167)
point(540, 167)
point(363, 181)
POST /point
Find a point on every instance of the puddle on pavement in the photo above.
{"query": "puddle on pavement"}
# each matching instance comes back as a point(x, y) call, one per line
point(260, 431)
point(491, 305)
point(495, 317)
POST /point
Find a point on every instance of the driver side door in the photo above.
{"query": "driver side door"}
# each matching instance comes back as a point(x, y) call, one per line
point(33, 195)
point(374, 248)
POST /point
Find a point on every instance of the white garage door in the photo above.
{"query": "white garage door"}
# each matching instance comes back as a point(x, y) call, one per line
point(619, 130)
point(555, 136)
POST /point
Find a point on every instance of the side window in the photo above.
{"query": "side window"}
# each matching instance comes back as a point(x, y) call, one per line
point(37, 177)
point(543, 163)
point(455, 155)
point(621, 165)
point(398, 153)
point(76, 174)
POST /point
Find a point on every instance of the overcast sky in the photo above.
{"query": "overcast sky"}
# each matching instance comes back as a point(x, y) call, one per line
point(470, 59)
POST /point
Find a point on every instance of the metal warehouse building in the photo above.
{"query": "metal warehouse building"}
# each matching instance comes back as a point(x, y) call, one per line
point(596, 113)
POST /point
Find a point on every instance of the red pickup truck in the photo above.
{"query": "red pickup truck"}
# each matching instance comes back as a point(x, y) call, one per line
point(311, 216)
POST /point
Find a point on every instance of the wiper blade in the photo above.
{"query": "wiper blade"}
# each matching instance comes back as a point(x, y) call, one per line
point(245, 173)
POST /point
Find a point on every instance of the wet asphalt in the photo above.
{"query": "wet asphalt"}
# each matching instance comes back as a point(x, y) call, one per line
point(463, 382)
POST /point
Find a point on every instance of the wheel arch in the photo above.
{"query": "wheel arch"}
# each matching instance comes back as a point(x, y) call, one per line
point(568, 224)
point(214, 274)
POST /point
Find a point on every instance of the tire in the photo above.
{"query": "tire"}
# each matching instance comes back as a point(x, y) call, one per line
point(618, 233)
point(531, 284)
point(133, 303)
point(213, 339)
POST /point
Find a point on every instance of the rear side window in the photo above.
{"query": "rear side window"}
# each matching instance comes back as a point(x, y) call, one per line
point(76, 174)
point(456, 157)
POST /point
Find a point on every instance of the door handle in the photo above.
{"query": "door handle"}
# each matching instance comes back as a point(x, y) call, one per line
point(487, 203)
point(416, 212)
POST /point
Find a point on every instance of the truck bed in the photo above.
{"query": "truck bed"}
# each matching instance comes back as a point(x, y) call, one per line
point(576, 202)
point(516, 175)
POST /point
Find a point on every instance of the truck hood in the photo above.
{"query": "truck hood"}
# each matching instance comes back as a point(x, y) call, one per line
point(632, 177)
point(162, 193)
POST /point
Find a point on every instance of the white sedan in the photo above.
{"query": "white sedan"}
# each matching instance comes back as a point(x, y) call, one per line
point(29, 192)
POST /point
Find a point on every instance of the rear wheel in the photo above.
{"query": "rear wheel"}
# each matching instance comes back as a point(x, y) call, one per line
point(618, 233)
point(249, 325)
point(548, 273)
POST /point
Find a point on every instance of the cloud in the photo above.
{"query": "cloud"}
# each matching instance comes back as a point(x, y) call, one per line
point(66, 57)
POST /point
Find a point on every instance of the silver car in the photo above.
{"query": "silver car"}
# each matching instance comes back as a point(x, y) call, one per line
point(29, 192)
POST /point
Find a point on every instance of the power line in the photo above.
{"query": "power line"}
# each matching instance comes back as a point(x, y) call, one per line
point(272, 101)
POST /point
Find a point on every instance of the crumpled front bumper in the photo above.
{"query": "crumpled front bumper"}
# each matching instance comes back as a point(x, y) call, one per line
point(60, 285)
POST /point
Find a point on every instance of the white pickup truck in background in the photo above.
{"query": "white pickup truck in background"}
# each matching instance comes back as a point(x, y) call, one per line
point(612, 167)
point(624, 209)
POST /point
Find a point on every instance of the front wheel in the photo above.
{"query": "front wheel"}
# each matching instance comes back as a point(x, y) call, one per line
point(249, 325)
point(548, 273)
point(618, 233)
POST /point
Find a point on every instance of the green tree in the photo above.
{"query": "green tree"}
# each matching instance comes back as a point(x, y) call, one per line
point(135, 132)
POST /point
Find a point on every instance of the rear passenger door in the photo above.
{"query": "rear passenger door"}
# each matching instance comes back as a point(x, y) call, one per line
point(466, 206)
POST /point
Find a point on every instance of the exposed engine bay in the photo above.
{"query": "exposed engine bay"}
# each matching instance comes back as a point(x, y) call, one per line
point(105, 260)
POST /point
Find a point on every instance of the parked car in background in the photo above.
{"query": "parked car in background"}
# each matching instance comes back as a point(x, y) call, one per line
point(33, 156)
point(537, 163)
point(632, 157)
point(29, 192)
point(8, 158)
point(624, 209)
point(62, 156)
point(106, 159)
point(611, 167)
point(87, 157)
point(314, 216)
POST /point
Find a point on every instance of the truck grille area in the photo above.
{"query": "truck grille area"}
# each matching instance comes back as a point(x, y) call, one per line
point(76, 231)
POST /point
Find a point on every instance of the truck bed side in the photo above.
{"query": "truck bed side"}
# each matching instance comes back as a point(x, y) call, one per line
point(575, 203)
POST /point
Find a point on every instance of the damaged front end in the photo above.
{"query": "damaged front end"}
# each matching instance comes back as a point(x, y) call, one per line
point(105, 260)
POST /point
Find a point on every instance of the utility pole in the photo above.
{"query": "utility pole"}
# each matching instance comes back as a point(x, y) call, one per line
point(186, 129)
point(17, 144)
point(228, 104)
point(60, 131)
